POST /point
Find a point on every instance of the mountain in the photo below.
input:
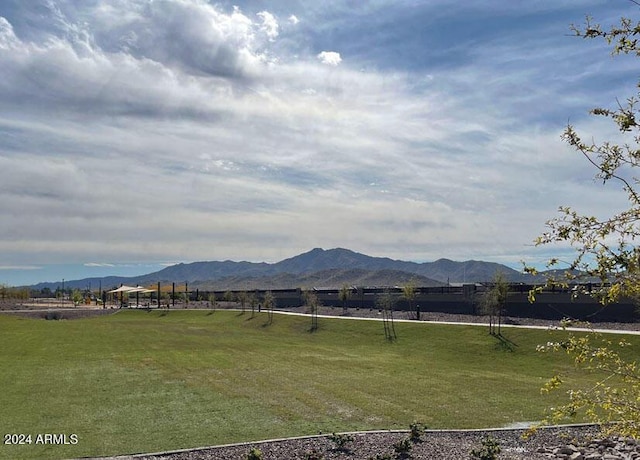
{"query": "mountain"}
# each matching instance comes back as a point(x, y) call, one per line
point(443, 270)
point(318, 267)
point(330, 278)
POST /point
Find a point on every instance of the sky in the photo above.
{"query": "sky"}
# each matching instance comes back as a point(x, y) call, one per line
point(135, 134)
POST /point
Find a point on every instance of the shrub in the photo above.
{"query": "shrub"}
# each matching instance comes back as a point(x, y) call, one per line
point(254, 454)
point(403, 447)
point(417, 429)
point(341, 441)
point(313, 454)
point(381, 457)
point(489, 450)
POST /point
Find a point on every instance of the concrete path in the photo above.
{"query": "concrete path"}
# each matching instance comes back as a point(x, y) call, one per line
point(458, 323)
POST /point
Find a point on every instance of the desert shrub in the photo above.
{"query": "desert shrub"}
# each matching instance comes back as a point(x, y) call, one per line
point(254, 454)
point(489, 451)
point(341, 440)
point(417, 430)
point(313, 454)
point(403, 447)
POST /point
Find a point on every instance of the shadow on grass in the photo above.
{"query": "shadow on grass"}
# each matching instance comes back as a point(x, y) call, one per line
point(211, 313)
point(504, 343)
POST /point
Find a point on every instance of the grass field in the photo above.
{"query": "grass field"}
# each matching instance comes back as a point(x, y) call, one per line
point(147, 381)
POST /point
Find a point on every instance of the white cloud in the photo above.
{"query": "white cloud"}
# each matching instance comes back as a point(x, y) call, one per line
point(330, 58)
point(269, 25)
point(293, 19)
point(8, 38)
point(176, 130)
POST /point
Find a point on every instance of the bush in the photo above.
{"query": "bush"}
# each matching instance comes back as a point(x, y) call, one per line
point(254, 454)
point(489, 450)
point(381, 457)
point(313, 454)
point(403, 448)
point(341, 441)
point(417, 429)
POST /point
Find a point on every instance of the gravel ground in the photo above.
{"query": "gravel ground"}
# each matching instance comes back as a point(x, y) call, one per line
point(546, 443)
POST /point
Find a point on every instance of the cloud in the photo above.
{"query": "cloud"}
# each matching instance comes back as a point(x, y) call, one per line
point(179, 130)
point(269, 25)
point(293, 19)
point(330, 58)
point(19, 267)
point(8, 38)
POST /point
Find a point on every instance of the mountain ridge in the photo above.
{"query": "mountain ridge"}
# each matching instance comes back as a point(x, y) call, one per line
point(315, 264)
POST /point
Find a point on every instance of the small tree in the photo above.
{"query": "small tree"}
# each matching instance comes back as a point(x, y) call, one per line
point(313, 303)
point(386, 303)
point(344, 296)
point(253, 302)
point(613, 401)
point(76, 297)
point(268, 302)
point(213, 302)
point(242, 297)
point(493, 301)
point(229, 297)
point(409, 293)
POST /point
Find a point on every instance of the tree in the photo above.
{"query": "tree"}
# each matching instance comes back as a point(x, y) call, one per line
point(493, 301)
point(213, 302)
point(313, 303)
point(605, 250)
point(613, 400)
point(76, 297)
point(268, 302)
point(344, 296)
point(243, 298)
point(386, 302)
point(229, 297)
point(409, 293)
point(605, 247)
point(253, 301)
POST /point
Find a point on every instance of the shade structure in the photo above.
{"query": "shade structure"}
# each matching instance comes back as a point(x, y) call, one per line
point(123, 288)
point(131, 289)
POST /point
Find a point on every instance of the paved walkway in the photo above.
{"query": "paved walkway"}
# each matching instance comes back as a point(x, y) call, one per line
point(461, 323)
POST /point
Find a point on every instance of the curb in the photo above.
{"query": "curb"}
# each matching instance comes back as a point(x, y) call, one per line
point(315, 436)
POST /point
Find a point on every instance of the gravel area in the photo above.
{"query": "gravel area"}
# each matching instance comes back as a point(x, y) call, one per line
point(572, 442)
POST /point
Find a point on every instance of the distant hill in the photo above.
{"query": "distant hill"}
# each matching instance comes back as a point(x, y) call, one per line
point(330, 278)
point(318, 267)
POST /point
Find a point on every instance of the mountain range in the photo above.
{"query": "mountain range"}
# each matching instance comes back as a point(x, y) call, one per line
point(317, 268)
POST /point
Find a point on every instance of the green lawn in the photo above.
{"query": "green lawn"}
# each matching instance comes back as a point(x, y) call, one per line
point(147, 381)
